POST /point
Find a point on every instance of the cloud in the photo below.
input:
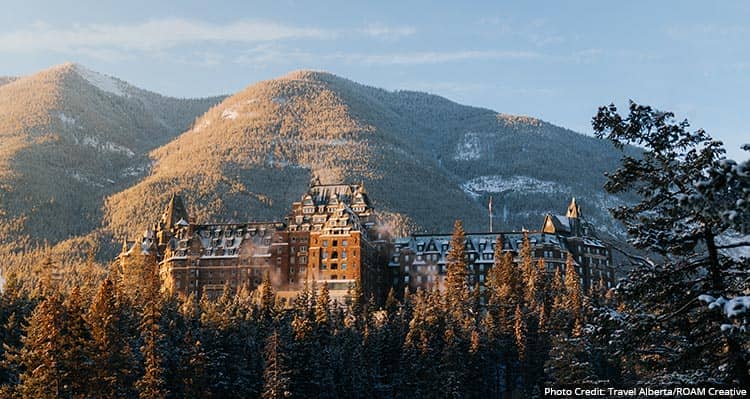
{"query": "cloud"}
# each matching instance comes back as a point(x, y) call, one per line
point(435, 57)
point(154, 35)
point(388, 32)
point(269, 54)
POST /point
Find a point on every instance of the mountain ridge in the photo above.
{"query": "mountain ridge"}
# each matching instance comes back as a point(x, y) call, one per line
point(316, 123)
point(65, 143)
point(88, 159)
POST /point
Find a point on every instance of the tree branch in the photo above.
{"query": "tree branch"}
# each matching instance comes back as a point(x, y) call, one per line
point(734, 245)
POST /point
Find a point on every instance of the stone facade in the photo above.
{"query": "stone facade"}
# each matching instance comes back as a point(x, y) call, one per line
point(327, 237)
point(419, 261)
point(330, 236)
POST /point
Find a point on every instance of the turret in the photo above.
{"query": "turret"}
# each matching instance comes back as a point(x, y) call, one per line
point(574, 215)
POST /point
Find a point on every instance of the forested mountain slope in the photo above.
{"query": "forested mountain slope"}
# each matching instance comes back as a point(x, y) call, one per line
point(69, 137)
point(424, 159)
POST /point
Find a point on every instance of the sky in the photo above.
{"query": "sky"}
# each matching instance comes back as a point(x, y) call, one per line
point(554, 60)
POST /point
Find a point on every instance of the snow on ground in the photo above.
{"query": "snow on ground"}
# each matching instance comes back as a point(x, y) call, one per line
point(198, 127)
point(733, 309)
point(733, 237)
point(468, 148)
point(500, 184)
point(103, 82)
point(135, 170)
point(229, 114)
point(67, 119)
point(107, 146)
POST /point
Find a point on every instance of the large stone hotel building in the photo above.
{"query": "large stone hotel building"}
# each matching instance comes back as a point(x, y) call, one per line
point(330, 236)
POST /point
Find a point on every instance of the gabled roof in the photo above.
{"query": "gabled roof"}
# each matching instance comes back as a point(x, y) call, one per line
point(556, 224)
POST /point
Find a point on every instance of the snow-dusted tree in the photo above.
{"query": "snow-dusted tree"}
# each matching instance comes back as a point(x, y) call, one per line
point(113, 361)
point(457, 295)
point(276, 374)
point(684, 201)
point(690, 196)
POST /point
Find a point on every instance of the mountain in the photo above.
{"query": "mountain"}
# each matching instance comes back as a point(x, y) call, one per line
point(70, 137)
point(424, 160)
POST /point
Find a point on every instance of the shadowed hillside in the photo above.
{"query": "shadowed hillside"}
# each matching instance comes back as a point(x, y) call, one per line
point(424, 160)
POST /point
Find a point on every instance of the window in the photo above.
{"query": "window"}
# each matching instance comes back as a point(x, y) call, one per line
point(344, 243)
point(322, 266)
point(406, 279)
point(278, 250)
point(343, 266)
point(334, 255)
point(302, 260)
point(343, 254)
point(481, 278)
point(335, 243)
point(325, 243)
point(334, 266)
point(333, 277)
point(324, 255)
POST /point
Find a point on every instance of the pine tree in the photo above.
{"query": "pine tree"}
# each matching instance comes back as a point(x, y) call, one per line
point(78, 345)
point(456, 278)
point(43, 356)
point(276, 374)
point(530, 274)
point(112, 361)
point(152, 384)
point(575, 297)
point(520, 333)
point(505, 293)
point(559, 296)
point(267, 300)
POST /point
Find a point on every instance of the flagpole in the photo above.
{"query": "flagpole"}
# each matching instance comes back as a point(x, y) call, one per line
point(490, 209)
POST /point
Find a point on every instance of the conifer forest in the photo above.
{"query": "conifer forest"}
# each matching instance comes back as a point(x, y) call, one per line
point(678, 316)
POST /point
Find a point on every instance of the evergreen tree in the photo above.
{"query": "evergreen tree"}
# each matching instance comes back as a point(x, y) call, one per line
point(456, 277)
point(78, 345)
point(267, 300)
point(276, 374)
point(575, 299)
point(152, 384)
point(113, 362)
point(688, 195)
point(43, 355)
point(521, 333)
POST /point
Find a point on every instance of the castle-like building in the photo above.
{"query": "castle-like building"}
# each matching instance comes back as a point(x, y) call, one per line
point(419, 261)
point(330, 236)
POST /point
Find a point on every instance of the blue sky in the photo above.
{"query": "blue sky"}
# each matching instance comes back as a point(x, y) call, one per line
point(554, 60)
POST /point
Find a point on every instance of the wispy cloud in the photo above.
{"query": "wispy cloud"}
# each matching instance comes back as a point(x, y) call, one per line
point(153, 35)
point(435, 57)
point(265, 54)
point(381, 31)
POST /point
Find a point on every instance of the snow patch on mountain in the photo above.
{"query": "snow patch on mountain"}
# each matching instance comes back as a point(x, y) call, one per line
point(107, 146)
point(499, 184)
point(468, 148)
point(68, 120)
point(229, 114)
point(103, 82)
